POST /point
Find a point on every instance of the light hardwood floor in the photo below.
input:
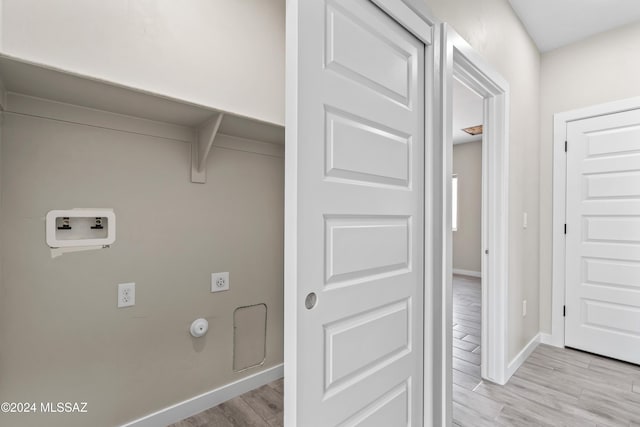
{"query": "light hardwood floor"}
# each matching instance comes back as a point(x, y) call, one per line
point(554, 387)
point(261, 407)
point(466, 331)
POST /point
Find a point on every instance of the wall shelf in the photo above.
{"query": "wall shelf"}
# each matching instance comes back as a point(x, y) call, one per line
point(205, 123)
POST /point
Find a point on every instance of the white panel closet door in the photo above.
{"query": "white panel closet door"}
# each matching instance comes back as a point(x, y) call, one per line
point(359, 208)
point(603, 236)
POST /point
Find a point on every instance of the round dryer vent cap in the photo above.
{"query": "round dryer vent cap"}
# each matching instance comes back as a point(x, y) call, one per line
point(199, 327)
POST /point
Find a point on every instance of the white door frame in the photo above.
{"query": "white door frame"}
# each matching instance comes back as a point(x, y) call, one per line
point(416, 19)
point(560, 121)
point(461, 61)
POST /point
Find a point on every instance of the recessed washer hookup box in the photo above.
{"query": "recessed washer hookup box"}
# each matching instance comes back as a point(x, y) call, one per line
point(80, 227)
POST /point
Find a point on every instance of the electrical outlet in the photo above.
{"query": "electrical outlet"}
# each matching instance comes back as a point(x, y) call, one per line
point(524, 308)
point(126, 294)
point(525, 220)
point(219, 282)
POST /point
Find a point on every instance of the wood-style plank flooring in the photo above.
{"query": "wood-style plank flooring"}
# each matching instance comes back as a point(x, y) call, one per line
point(554, 387)
point(261, 407)
point(466, 331)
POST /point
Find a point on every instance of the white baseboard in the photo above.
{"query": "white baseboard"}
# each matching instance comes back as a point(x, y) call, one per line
point(196, 404)
point(550, 339)
point(466, 272)
point(522, 356)
point(546, 338)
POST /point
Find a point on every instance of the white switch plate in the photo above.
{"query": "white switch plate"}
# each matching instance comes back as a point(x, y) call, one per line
point(126, 295)
point(524, 308)
point(219, 282)
point(525, 220)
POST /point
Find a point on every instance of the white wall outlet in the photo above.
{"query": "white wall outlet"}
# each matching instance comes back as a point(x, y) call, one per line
point(524, 308)
point(219, 282)
point(525, 220)
point(126, 294)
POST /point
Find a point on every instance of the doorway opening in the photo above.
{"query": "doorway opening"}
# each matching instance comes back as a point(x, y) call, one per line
point(461, 64)
point(466, 221)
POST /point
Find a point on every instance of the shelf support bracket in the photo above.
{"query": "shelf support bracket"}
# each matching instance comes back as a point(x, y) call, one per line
point(201, 147)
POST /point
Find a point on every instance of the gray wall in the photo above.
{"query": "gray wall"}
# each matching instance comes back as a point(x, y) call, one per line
point(62, 337)
point(467, 164)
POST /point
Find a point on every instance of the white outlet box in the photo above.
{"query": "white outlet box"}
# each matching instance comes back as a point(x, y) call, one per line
point(219, 282)
point(524, 308)
point(126, 294)
point(80, 227)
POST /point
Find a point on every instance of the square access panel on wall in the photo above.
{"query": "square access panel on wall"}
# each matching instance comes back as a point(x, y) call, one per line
point(249, 336)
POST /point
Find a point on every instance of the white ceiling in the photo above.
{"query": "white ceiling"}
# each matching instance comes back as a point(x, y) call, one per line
point(555, 23)
point(467, 112)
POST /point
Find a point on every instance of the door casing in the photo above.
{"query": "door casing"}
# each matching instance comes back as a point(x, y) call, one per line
point(560, 121)
point(459, 60)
